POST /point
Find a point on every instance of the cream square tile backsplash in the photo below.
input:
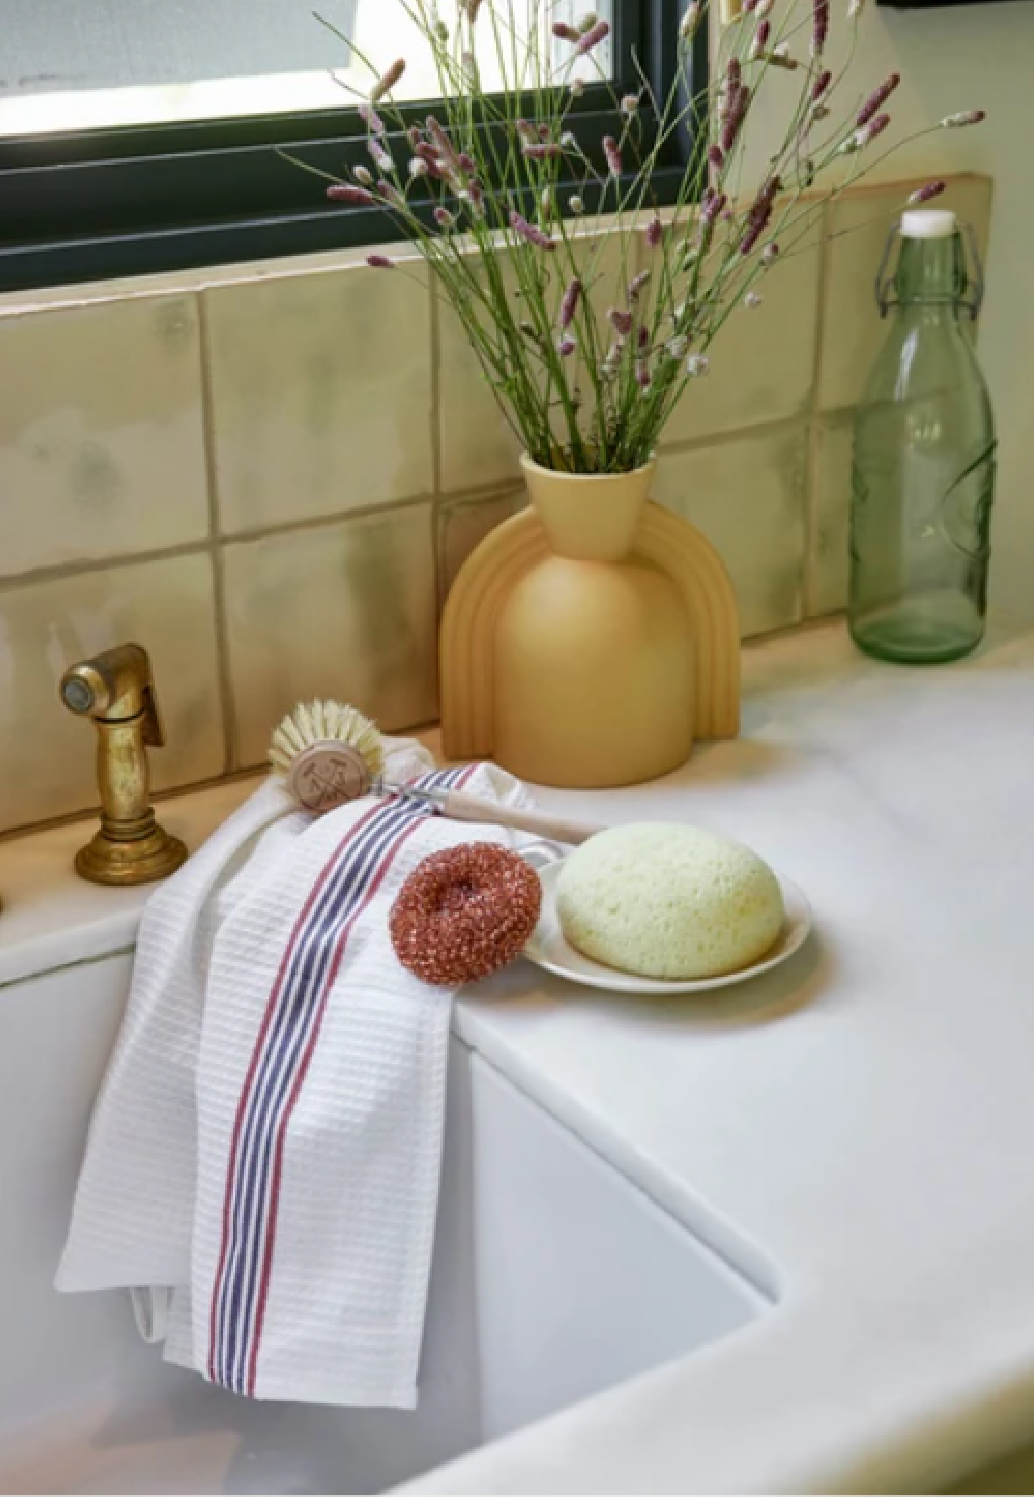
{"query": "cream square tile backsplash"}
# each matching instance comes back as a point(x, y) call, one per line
point(47, 756)
point(763, 366)
point(341, 611)
point(476, 446)
point(744, 494)
point(320, 394)
point(101, 442)
point(829, 505)
point(271, 482)
point(462, 523)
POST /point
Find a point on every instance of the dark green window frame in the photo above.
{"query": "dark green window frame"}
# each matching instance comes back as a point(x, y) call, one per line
point(91, 205)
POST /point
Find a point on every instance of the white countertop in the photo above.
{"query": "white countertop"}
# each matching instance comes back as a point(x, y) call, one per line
point(855, 1130)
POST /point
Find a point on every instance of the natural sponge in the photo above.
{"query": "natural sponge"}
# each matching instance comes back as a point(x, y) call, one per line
point(669, 901)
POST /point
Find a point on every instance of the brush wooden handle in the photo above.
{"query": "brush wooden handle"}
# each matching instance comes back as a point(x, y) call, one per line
point(546, 825)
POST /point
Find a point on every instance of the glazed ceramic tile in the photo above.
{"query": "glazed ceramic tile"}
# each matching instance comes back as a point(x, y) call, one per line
point(747, 495)
point(763, 360)
point(47, 755)
point(860, 224)
point(460, 524)
point(101, 446)
point(478, 446)
point(341, 611)
point(321, 394)
point(832, 441)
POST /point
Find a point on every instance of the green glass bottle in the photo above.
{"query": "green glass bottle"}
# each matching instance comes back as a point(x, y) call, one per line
point(924, 462)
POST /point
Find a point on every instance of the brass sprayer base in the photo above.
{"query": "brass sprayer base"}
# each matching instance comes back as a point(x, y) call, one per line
point(116, 691)
point(111, 860)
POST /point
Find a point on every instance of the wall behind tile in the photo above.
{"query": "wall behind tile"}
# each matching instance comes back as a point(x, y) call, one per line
point(270, 475)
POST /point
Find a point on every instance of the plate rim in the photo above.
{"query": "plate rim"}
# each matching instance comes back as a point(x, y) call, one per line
point(623, 983)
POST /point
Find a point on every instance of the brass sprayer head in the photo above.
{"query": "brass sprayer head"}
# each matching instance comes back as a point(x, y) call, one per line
point(116, 691)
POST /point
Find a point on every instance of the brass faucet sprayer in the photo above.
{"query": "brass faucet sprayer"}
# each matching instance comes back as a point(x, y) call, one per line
point(116, 691)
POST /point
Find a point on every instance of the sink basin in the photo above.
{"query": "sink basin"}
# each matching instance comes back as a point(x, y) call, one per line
point(554, 1277)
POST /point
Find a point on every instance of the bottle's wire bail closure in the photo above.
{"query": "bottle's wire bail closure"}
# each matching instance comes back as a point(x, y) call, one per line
point(885, 299)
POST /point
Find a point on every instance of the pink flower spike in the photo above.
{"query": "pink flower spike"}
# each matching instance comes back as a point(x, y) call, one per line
point(569, 306)
point(872, 130)
point(592, 38)
point(711, 206)
point(441, 142)
point(612, 152)
point(371, 118)
point(388, 80)
point(734, 107)
point(691, 19)
point(424, 152)
point(566, 347)
point(565, 33)
point(540, 152)
point(926, 192)
point(964, 117)
point(530, 232)
point(381, 262)
point(877, 99)
point(654, 233)
point(620, 321)
point(443, 218)
point(348, 192)
point(474, 195)
point(819, 26)
point(820, 85)
point(636, 286)
point(760, 214)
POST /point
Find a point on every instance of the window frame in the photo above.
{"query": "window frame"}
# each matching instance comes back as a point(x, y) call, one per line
point(99, 204)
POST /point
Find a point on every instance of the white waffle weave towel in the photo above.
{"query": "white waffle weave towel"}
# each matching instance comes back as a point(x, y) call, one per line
point(263, 1160)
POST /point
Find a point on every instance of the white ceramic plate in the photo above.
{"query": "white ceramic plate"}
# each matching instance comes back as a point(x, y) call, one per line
point(548, 948)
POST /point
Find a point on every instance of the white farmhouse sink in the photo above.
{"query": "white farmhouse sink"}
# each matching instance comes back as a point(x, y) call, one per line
point(554, 1278)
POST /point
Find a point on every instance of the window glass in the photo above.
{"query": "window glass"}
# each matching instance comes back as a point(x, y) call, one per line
point(80, 64)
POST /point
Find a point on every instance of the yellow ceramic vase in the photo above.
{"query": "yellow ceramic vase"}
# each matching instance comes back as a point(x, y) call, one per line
point(593, 655)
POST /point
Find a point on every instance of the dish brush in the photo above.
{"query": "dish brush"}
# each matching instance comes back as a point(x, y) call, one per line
point(329, 753)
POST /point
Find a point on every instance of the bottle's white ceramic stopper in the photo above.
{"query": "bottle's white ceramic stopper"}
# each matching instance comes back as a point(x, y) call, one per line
point(927, 223)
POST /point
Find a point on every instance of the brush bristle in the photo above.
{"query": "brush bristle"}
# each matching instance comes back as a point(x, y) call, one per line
point(310, 723)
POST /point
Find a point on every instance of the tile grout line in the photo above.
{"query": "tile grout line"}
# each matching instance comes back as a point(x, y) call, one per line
point(434, 335)
point(227, 700)
point(437, 561)
point(814, 406)
point(735, 435)
point(57, 572)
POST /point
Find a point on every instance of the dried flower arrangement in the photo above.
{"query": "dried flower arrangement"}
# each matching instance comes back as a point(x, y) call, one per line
point(587, 373)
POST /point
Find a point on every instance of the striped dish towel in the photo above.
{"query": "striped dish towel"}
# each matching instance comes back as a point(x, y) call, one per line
point(262, 1166)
